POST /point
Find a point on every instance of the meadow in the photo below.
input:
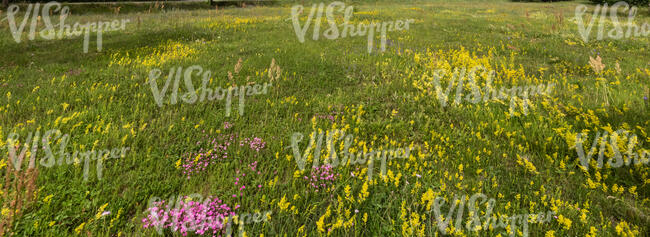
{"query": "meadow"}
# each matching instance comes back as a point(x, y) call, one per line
point(247, 158)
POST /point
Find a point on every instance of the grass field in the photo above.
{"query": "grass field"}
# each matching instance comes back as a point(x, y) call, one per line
point(527, 162)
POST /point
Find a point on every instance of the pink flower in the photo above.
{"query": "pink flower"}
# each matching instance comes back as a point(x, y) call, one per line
point(200, 217)
point(321, 177)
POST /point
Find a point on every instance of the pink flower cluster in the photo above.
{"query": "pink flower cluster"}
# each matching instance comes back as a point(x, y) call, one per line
point(199, 161)
point(322, 177)
point(254, 143)
point(188, 217)
point(212, 150)
point(331, 117)
point(227, 125)
point(242, 175)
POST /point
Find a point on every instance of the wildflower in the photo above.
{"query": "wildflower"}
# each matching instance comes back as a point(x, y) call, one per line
point(283, 204)
point(321, 221)
point(364, 192)
point(79, 228)
point(5, 211)
point(564, 221)
point(321, 178)
point(189, 213)
point(48, 198)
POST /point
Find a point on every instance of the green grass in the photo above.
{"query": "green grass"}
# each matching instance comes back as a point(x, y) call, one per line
point(504, 36)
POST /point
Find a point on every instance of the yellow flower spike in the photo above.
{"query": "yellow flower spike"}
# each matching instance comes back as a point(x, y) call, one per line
point(283, 204)
point(564, 221)
point(79, 228)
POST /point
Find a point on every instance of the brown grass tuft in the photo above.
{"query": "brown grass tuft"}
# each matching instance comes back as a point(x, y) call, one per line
point(18, 193)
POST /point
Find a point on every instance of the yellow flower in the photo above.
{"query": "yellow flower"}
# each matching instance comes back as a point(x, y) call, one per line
point(364, 192)
point(178, 163)
point(348, 193)
point(48, 198)
point(592, 232)
point(100, 211)
point(623, 229)
point(632, 189)
point(79, 228)
point(119, 212)
point(283, 204)
point(301, 230)
point(550, 233)
point(565, 221)
point(321, 221)
point(5, 211)
point(428, 197)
